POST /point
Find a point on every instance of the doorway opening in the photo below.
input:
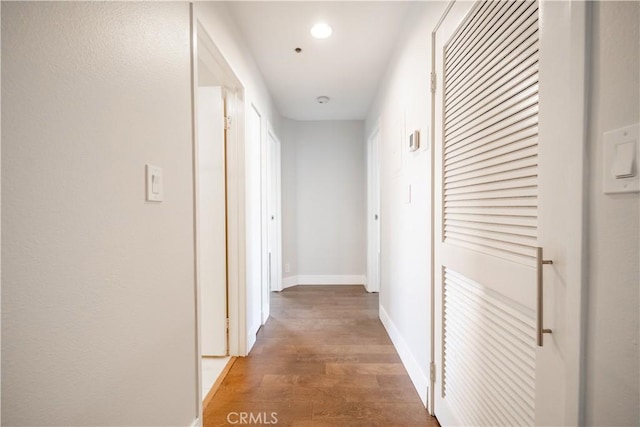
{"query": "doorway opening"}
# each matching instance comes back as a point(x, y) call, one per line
point(218, 165)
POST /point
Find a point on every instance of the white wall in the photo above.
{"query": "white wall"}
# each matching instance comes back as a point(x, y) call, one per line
point(329, 185)
point(613, 359)
point(402, 106)
point(219, 24)
point(98, 313)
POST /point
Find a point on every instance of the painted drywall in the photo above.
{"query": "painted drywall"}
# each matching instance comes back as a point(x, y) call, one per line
point(612, 357)
point(329, 195)
point(402, 106)
point(98, 295)
point(221, 28)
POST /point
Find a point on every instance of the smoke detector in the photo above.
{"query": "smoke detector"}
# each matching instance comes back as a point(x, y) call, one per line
point(322, 99)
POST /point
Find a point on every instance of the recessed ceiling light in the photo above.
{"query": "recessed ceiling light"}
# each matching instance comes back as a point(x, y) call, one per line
point(321, 30)
point(322, 99)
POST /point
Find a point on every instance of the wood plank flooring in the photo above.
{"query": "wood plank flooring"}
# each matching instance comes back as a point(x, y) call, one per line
point(322, 359)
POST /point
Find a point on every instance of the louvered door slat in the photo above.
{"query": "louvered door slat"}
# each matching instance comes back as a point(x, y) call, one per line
point(493, 58)
point(519, 112)
point(504, 177)
point(482, 34)
point(504, 194)
point(474, 39)
point(483, 398)
point(500, 167)
point(495, 80)
point(480, 29)
point(497, 228)
point(496, 187)
point(492, 235)
point(492, 110)
point(489, 380)
point(486, 103)
point(517, 376)
point(511, 131)
point(513, 378)
point(523, 140)
point(496, 246)
point(495, 160)
point(500, 62)
point(468, 30)
point(518, 343)
point(490, 138)
point(484, 219)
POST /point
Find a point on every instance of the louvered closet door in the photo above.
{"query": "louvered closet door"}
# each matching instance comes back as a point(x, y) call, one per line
point(488, 201)
point(488, 224)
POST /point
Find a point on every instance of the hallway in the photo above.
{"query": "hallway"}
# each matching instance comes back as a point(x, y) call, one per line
point(323, 358)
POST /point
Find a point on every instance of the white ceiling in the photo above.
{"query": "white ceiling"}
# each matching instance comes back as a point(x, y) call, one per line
point(347, 67)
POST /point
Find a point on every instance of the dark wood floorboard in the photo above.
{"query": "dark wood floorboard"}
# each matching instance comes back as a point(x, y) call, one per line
point(322, 359)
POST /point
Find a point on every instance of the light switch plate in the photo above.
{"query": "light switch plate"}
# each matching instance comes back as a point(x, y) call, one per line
point(154, 178)
point(414, 140)
point(616, 144)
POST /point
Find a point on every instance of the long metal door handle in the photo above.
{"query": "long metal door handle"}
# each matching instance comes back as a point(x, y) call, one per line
point(540, 330)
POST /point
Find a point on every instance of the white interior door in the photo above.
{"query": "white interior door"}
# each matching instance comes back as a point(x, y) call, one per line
point(211, 226)
point(373, 212)
point(508, 159)
point(257, 305)
point(274, 209)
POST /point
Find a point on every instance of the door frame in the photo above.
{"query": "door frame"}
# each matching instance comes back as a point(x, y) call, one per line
point(373, 224)
point(201, 42)
point(432, 380)
point(264, 248)
point(571, 268)
point(578, 14)
point(277, 175)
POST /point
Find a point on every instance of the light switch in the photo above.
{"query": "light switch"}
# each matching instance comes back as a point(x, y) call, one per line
point(620, 161)
point(624, 163)
point(154, 183)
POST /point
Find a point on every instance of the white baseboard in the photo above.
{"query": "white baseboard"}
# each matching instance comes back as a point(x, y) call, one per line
point(196, 423)
point(418, 377)
point(290, 281)
point(252, 336)
point(324, 279)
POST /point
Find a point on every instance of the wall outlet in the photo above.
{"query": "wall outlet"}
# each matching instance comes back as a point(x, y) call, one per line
point(287, 268)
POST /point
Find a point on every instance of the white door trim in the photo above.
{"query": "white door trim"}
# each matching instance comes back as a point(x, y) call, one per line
point(276, 174)
point(264, 223)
